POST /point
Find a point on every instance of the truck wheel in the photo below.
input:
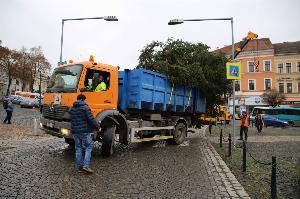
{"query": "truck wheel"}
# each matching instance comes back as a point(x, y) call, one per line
point(70, 141)
point(179, 133)
point(108, 141)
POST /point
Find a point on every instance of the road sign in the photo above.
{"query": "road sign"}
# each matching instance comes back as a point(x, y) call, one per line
point(233, 70)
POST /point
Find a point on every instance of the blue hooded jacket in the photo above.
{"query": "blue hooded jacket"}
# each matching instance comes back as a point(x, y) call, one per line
point(82, 120)
point(9, 106)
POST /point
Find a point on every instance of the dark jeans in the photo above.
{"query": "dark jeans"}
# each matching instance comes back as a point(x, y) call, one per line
point(259, 127)
point(8, 117)
point(83, 160)
point(245, 131)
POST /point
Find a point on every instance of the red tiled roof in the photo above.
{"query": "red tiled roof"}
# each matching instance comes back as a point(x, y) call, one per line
point(253, 45)
point(287, 47)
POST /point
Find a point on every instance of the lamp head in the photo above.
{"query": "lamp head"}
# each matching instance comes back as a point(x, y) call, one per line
point(110, 18)
point(175, 21)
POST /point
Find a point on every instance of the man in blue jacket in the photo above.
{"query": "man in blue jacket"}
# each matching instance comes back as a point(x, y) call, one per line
point(82, 123)
point(9, 110)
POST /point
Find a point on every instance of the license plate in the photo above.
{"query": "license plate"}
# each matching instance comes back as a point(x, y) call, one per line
point(50, 124)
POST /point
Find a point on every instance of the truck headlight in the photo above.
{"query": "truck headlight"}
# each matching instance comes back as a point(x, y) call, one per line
point(65, 132)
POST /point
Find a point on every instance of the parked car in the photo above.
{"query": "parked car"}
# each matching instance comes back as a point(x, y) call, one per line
point(29, 103)
point(272, 121)
point(17, 100)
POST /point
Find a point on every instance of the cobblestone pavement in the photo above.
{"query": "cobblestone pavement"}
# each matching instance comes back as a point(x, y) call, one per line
point(43, 167)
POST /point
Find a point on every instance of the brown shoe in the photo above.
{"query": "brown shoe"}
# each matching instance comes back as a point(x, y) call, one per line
point(80, 170)
point(88, 170)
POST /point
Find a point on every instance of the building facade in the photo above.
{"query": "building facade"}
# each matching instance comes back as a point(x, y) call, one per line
point(287, 63)
point(258, 74)
point(16, 85)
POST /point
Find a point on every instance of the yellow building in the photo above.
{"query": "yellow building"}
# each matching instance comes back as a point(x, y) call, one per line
point(287, 63)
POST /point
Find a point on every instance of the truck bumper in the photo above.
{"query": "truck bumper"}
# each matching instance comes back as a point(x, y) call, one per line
point(56, 128)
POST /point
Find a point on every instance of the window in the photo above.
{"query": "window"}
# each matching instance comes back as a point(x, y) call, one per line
point(288, 67)
point(237, 85)
point(298, 66)
point(268, 84)
point(289, 87)
point(280, 68)
point(267, 65)
point(65, 79)
point(281, 87)
point(251, 84)
point(298, 87)
point(250, 66)
point(96, 80)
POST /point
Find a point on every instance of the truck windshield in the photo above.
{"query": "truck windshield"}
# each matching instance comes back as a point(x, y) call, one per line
point(65, 79)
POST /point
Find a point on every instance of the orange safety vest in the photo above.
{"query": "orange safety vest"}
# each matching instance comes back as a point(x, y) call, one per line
point(246, 124)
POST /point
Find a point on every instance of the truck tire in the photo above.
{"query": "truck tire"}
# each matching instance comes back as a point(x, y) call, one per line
point(108, 141)
point(179, 133)
point(70, 141)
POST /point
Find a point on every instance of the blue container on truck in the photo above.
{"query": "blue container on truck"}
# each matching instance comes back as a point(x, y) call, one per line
point(142, 89)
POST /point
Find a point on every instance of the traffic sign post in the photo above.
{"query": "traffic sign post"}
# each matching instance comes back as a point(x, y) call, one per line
point(233, 70)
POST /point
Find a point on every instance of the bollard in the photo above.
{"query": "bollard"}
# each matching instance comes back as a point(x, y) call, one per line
point(273, 179)
point(209, 127)
point(221, 138)
point(299, 177)
point(229, 147)
point(34, 127)
point(244, 156)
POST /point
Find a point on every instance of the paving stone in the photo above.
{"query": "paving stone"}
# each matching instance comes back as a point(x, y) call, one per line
point(43, 167)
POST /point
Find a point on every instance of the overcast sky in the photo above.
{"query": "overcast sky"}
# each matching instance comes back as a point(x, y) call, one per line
point(38, 22)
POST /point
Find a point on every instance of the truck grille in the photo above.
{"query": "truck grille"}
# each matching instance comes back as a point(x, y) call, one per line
point(56, 112)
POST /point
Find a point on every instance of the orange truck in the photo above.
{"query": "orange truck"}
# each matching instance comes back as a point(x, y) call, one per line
point(221, 114)
point(138, 105)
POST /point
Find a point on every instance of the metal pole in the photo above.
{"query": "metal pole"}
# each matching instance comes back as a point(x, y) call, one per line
point(229, 148)
point(40, 88)
point(273, 179)
point(221, 138)
point(233, 86)
point(61, 40)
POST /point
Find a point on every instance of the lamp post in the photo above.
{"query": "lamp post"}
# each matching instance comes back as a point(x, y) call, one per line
point(180, 21)
point(106, 18)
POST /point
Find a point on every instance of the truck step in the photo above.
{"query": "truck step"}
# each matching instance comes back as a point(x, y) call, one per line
point(151, 139)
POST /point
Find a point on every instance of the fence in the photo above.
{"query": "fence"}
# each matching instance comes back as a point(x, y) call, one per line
point(272, 165)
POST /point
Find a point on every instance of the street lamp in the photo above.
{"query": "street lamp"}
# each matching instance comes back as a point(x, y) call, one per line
point(106, 18)
point(180, 21)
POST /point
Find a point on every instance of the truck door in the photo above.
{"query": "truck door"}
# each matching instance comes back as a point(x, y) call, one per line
point(97, 90)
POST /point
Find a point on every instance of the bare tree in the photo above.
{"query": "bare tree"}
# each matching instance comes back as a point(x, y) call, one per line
point(25, 67)
point(273, 97)
point(9, 64)
point(39, 65)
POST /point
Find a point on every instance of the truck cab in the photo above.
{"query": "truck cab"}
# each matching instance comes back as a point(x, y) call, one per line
point(66, 83)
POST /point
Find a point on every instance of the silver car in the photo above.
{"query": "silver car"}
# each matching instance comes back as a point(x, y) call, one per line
point(29, 103)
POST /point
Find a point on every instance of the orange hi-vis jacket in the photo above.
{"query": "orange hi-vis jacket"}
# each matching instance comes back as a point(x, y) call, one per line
point(246, 124)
